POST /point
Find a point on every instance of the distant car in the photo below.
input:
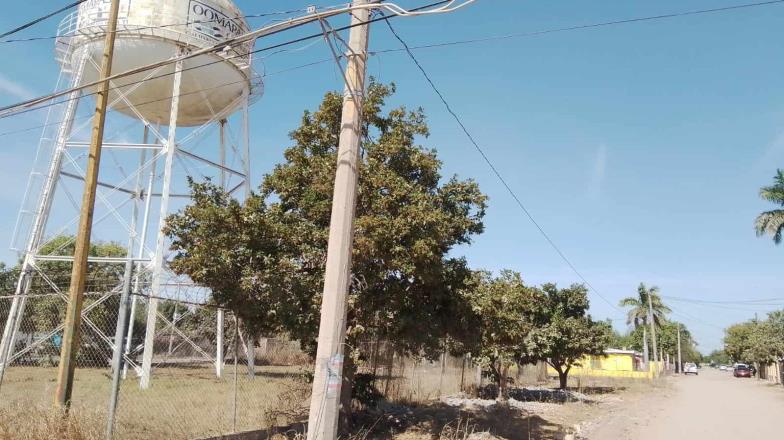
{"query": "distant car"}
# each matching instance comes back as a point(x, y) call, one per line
point(690, 368)
point(741, 370)
point(723, 368)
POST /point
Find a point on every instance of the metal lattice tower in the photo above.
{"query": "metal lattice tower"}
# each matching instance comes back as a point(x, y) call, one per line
point(184, 120)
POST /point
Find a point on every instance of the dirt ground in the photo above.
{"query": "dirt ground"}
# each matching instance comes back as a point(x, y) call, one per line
point(534, 412)
point(714, 405)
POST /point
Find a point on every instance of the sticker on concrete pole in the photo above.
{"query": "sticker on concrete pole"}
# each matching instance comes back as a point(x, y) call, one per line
point(334, 379)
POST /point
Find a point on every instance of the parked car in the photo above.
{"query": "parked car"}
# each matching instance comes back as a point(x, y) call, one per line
point(741, 370)
point(723, 368)
point(690, 368)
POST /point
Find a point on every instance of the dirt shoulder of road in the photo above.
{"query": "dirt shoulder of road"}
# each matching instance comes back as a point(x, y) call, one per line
point(630, 414)
point(535, 414)
point(713, 405)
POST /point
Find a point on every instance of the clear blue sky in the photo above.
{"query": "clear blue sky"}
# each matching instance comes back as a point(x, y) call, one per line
point(640, 148)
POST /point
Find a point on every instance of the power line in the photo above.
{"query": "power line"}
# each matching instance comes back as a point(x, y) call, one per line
point(759, 302)
point(8, 110)
point(161, 26)
point(451, 43)
point(115, 109)
point(697, 320)
point(586, 26)
point(478, 40)
point(494, 169)
point(40, 19)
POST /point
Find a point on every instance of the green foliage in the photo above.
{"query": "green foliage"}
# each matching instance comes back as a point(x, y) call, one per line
point(772, 222)
point(507, 311)
point(47, 312)
point(8, 277)
point(264, 259)
point(565, 332)
point(639, 310)
point(756, 342)
point(667, 339)
point(719, 357)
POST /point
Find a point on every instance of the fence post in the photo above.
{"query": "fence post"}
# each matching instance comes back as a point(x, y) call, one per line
point(441, 377)
point(219, 345)
point(234, 392)
point(117, 350)
point(462, 375)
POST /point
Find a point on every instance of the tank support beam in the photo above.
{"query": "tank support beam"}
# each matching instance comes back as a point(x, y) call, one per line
point(46, 197)
point(158, 261)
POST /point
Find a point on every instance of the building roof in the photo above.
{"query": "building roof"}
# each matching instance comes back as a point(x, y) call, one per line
point(619, 351)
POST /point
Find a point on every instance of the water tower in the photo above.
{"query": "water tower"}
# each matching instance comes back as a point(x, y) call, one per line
point(164, 125)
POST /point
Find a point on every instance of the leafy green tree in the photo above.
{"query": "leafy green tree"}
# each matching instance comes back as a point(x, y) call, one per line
point(752, 342)
point(772, 222)
point(719, 357)
point(45, 308)
point(667, 336)
point(737, 340)
point(264, 259)
point(48, 311)
point(565, 332)
point(775, 329)
point(507, 312)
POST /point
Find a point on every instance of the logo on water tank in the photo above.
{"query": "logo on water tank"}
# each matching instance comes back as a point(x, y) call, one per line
point(212, 23)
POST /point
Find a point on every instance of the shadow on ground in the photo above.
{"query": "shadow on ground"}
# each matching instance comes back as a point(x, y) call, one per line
point(442, 421)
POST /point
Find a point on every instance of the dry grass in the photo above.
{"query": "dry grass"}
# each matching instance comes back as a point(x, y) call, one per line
point(24, 422)
point(182, 402)
point(193, 403)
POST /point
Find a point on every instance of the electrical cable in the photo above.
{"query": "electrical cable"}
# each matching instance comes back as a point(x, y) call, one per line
point(7, 111)
point(586, 26)
point(522, 35)
point(40, 19)
point(698, 320)
point(118, 108)
point(495, 170)
point(760, 301)
point(160, 26)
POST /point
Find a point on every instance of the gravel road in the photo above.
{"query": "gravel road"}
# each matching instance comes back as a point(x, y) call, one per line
point(714, 405)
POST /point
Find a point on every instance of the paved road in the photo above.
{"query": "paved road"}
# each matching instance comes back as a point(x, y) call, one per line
point(712, 406)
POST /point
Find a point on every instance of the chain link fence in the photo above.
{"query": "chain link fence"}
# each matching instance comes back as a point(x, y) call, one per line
point(206, 377)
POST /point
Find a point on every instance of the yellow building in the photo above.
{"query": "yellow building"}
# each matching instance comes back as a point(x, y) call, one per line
point(614, 363)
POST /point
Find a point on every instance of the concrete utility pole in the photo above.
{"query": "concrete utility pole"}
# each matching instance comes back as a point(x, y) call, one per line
point(73, 313)
point(325, 400)
point(679, 348)
point(653, 327)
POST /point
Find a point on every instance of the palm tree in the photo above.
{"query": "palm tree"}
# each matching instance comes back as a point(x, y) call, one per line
point(638, 314)
point(772, 222)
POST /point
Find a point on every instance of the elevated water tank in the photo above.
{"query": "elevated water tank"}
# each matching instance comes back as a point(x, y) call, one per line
point(149, 31)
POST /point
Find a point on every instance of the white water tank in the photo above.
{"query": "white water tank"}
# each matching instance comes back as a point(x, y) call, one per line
point(149, 31)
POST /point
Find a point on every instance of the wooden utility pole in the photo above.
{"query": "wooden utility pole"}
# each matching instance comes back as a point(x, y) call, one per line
point(653, 327)
point(680, 366)
point(73, 313)
point(325, 398)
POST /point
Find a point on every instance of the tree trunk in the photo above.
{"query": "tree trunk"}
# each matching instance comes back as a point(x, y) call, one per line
point(496, 373)
point(563, 377)
point(347, 386)
point(502, 382)
point(541, 374)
